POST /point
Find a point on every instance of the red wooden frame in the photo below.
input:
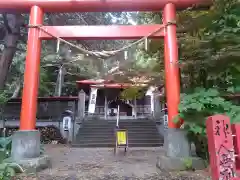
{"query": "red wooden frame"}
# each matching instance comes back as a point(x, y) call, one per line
point(35, 35)
point(98, 5)
point(236, 143)
point(103, 32)
point(53, 98)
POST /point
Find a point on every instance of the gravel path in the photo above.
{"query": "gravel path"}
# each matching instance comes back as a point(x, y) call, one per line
point(102, 164)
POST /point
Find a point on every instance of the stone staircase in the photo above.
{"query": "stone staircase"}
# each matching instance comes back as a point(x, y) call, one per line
point(100, 133)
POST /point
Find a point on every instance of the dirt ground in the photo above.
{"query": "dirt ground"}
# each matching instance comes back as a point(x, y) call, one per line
point(101, 164)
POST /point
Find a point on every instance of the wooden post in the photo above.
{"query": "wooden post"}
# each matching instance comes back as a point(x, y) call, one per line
point(236, 143)
point(135, 107)
point(220, 147)
point(105, 105)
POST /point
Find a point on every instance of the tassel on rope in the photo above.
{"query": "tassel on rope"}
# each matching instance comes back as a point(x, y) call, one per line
point(125, 55)
point(58, 45)
point(146, 44)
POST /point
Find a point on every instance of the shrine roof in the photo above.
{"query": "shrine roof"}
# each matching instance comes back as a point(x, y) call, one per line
point(118, 85)
point(109, 84)
point(91, 81)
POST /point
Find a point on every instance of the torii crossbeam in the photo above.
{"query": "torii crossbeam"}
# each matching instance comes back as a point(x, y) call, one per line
point(98, 5)
point(37, 9)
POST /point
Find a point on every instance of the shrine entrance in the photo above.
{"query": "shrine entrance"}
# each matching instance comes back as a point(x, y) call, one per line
point(125, 109)
point(38, 32)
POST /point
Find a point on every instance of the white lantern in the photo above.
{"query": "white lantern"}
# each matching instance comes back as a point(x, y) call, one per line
point(67, 123)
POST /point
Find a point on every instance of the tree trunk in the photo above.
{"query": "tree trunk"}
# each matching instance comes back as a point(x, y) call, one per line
point(12, 23)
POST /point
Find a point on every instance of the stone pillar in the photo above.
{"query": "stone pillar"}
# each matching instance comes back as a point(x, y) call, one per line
point(157, 113)
point(25, 144)
point(81, 106)
point(26, 151)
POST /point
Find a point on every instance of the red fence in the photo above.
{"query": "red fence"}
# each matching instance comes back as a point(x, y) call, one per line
point(224, 147)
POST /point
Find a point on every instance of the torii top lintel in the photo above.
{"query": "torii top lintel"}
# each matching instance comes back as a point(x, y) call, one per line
point(97, 5)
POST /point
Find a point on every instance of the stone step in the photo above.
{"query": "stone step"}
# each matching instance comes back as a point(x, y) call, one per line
point(113, 128)
point(108, 131)
point(137, 136)
point(134, 136)
point(84, 132)
point(101, 133)
point(110, 140)
point(112, 145)
point(123, 123)
point(120, 125)
point(127, 123)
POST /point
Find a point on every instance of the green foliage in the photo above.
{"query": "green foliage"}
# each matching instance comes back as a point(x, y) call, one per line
point(195, 107)
point(209, 50)
point(131, 93)
point(3, 100)
point(76, 64)
point(208, 61)
point(3, 97)
point(5, 147)
point(209, 54)
point(208, 47)
point(187, 163)
point(7, 170)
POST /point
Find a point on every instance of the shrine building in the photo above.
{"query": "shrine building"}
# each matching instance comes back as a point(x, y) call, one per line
point(102, 99)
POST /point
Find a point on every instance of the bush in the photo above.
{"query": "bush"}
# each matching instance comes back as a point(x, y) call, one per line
point(7, 170)
point(194, 108)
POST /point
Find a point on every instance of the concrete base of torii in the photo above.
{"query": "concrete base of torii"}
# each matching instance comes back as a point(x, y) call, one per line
point(178, 154)
point(26, 151)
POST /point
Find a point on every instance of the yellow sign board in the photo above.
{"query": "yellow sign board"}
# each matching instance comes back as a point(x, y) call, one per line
point(121, 137)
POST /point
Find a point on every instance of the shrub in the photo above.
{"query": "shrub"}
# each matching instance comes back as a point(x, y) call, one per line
point(194, 108)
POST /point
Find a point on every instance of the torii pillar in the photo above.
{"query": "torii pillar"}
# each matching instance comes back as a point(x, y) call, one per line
point(175, 140)
point(26, 142)
point(176, 144)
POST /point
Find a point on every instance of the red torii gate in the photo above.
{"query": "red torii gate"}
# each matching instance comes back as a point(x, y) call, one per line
point(37, 9)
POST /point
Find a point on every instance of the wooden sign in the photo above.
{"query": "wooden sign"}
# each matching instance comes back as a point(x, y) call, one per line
point(220, 146)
